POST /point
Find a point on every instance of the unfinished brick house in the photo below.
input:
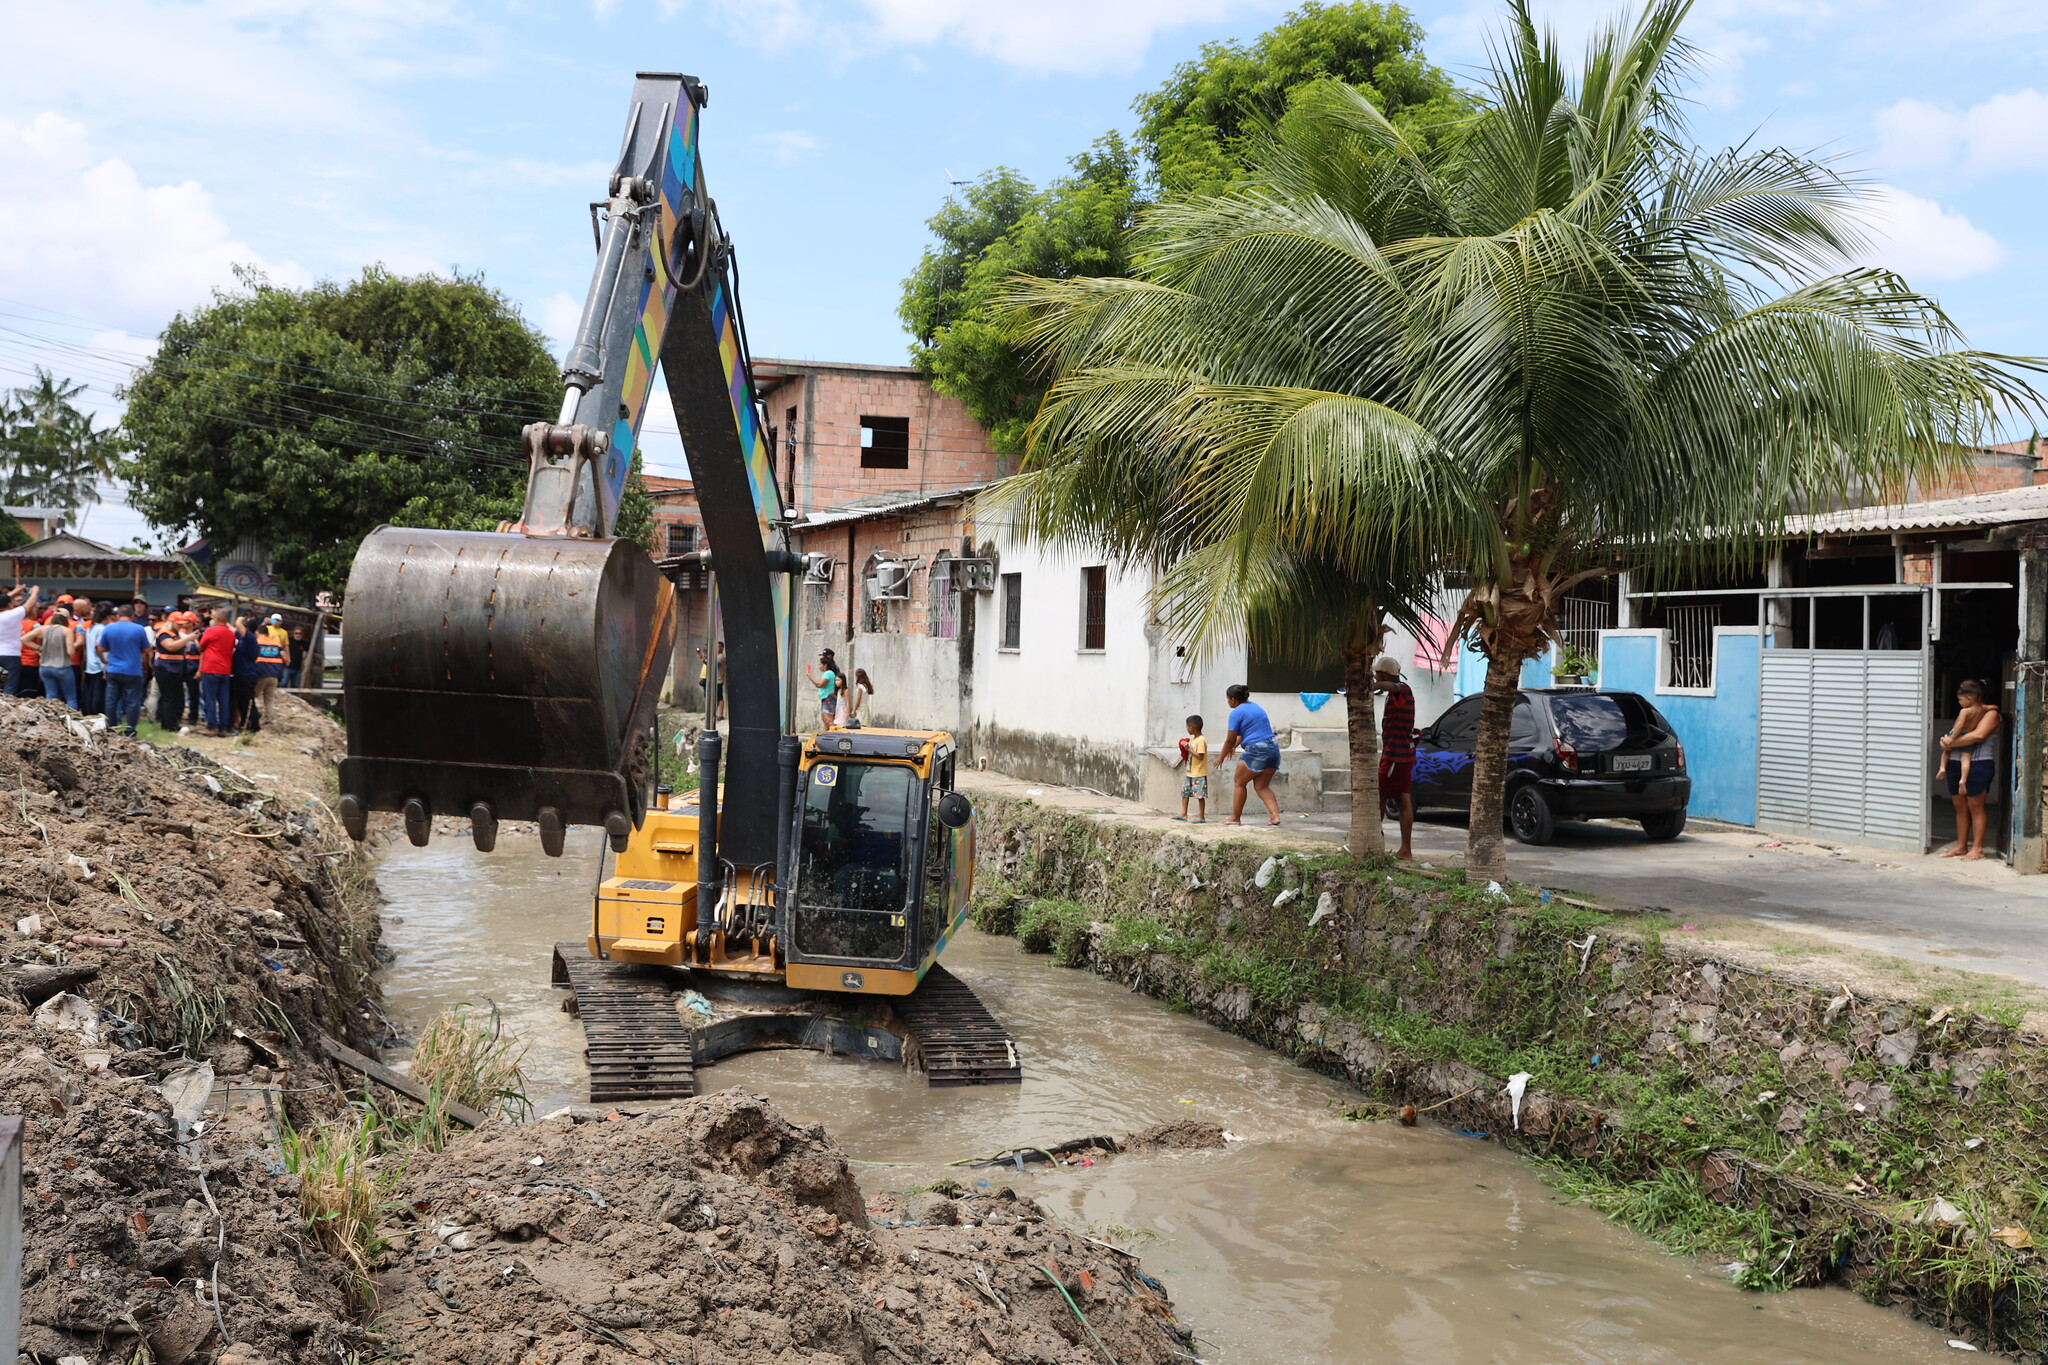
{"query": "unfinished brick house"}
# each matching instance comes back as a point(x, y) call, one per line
point(880, 467)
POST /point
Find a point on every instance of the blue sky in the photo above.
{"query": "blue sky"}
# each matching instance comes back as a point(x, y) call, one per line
point(152, 145)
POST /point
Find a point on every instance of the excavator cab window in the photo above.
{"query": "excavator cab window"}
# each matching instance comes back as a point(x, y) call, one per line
point(854, 862)
point(938, 858)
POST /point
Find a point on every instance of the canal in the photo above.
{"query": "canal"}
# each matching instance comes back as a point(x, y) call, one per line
point(1312, 1238)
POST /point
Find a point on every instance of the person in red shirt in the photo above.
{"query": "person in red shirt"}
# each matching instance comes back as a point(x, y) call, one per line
point(1397, 744)
point(216, 673)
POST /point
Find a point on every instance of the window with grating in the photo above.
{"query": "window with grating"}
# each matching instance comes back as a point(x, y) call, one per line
point(1094, 606)
point(1013, 610)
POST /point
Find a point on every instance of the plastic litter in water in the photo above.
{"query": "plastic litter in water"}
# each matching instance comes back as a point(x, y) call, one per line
point(1518, 1085)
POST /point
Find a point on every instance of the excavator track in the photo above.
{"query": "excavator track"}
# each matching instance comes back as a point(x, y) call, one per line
point(960, 1041)
point(633, 1039)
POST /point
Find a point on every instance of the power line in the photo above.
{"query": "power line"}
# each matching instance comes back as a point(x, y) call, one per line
point(539, 409)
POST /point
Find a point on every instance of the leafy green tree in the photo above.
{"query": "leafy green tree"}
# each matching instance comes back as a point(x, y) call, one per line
point(305, 418)
point(52, 454)
point(13, 535)
point(1002, 227)
point(1566, 335)
point(1198, 129)
point(1192, 139)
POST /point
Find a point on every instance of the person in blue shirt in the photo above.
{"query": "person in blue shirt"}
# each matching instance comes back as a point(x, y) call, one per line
point(247, 639)
point(121, 647)
point(92, 690)
point(1258, 753)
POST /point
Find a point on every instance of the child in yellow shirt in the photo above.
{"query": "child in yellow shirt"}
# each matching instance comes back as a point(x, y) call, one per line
point(1194, 756)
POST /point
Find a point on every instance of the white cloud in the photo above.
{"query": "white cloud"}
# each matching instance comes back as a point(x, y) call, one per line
point(559, 315)
point(1068, 36)
point(787, 146)
point(1921, 240)
point(85, 234)
point(2008, 132)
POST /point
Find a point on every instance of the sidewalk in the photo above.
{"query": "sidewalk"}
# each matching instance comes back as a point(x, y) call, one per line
point(1724, 883)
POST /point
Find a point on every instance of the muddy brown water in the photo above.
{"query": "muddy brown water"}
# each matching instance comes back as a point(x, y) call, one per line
point(1313, 1239)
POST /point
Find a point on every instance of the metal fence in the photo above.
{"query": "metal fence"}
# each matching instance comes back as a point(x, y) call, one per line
point(1580, 621)
point(1692, 644)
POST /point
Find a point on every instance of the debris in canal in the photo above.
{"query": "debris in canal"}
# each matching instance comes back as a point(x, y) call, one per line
point(726, 1233)
point(1180, 1135)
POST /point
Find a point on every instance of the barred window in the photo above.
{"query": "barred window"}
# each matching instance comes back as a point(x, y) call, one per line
point(1013, 610)
point(1094, 607)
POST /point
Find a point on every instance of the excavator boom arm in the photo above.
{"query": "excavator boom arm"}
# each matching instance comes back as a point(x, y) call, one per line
point(514, 674)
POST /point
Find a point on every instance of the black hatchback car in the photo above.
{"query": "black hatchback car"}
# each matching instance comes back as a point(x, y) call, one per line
point(1571, 755)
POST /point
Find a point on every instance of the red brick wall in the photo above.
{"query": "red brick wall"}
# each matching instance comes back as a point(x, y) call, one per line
point(947, 449)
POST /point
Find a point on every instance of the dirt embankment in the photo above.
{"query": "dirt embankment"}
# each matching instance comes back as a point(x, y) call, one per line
point(174, 937)
point(714, 1231)
point(163, 923)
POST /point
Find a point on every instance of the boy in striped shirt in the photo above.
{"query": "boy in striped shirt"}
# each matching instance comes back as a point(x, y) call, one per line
point(1397, 744)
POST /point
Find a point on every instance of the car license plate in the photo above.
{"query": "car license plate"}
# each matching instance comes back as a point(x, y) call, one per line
point(1630, 763)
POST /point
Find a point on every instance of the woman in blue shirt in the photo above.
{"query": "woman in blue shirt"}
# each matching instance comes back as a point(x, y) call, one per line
point(1258, 753)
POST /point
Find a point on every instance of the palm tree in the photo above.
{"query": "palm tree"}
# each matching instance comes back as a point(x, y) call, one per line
point(51, 454)
point(1568, 331)
point(1161, 465)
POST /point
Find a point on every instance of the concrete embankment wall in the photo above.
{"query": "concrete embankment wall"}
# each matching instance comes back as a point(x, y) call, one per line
point(1887, 1144)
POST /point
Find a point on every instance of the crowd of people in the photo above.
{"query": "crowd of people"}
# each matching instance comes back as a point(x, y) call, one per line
point(214, 675)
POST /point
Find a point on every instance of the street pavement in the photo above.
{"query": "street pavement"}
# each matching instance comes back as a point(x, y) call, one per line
point(1980, 917)
point(1976, 916)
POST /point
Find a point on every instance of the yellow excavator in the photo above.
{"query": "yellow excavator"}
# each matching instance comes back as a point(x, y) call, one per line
point(801, 895)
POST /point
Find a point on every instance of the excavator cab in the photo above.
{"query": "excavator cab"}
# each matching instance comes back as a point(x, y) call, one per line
point(880, 870)
point(882, 860)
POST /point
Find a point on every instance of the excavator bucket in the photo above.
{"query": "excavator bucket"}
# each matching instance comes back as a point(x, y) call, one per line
point(498, 677)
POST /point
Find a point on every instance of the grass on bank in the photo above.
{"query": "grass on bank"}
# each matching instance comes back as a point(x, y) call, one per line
point(463, 1056)
point(339, 1194)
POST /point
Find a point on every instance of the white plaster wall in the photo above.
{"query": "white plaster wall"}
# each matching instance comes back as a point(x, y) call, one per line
point(916, 678)
point(1049, 684)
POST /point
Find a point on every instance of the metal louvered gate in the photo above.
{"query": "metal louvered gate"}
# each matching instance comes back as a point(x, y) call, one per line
point(1842, 749)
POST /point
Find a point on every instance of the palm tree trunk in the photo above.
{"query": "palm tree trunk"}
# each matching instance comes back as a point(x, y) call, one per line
point(1486, 854)
point(1363, 733)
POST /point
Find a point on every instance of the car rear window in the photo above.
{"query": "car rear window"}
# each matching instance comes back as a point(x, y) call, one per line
point(1596, 721)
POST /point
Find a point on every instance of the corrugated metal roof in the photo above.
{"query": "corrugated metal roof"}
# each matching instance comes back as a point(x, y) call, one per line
point(1974, 509)
point(885, 505)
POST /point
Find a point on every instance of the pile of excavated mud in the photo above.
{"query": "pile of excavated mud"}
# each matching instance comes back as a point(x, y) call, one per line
point(714, 1232)
point(163, 922)
point(198, 912)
